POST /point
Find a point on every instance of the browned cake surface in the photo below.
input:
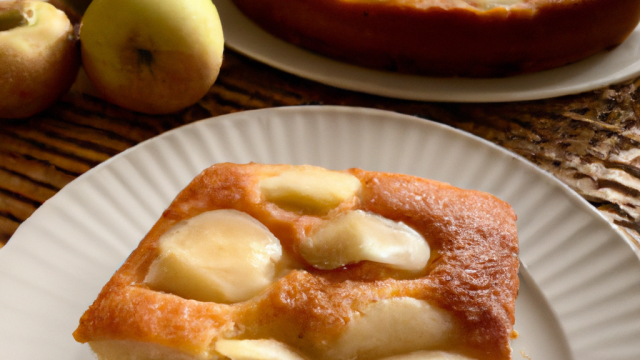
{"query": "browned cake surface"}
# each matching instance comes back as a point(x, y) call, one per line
point(472, 271)
point(449, 37)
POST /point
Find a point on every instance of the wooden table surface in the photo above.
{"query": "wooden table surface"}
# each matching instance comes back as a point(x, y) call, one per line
point(589, 141)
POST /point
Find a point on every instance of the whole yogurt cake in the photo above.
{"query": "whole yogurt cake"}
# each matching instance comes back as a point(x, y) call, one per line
point(289, 262)
point(471, 38)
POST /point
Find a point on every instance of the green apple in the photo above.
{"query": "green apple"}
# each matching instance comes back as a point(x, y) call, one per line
point(39, 57)
point(152, 56)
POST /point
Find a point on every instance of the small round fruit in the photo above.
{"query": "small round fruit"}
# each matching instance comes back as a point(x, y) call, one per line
point(39, 57)
point(152, 56)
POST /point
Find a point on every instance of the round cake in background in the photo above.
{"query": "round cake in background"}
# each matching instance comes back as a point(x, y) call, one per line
point(466, 38)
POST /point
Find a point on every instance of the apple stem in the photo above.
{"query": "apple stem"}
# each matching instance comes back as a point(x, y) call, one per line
point(145, 57)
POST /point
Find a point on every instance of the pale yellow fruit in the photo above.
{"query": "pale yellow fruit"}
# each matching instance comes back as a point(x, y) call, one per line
point(152, 56)
point(39, 57)
point(224, 256)
point(429, 355)
point(310, 189)
point(263, 349)
point(357, 235)
point(395, 326)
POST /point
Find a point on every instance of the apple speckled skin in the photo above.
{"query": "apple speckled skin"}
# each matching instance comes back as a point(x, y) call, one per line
point(39, 58)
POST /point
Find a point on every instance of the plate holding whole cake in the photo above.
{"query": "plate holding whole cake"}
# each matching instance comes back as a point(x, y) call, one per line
point(260, 262)
point(467, 38)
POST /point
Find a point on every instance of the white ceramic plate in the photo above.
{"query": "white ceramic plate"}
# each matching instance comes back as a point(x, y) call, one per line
point(609, 67)
point(581, 290)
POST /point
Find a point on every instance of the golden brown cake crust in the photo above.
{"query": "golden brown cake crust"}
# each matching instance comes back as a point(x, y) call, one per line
point(472, 272)
point(449, 37)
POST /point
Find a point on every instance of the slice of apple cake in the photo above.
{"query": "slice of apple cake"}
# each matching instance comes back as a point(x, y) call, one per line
point(285, 262)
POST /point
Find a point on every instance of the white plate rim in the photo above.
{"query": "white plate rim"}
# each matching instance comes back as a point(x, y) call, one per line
point(608, 67)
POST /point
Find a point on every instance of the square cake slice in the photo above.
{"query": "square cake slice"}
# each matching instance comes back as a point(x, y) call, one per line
point(254, 261)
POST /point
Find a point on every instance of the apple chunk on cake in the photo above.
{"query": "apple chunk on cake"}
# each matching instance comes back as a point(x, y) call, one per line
point(283, 262)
